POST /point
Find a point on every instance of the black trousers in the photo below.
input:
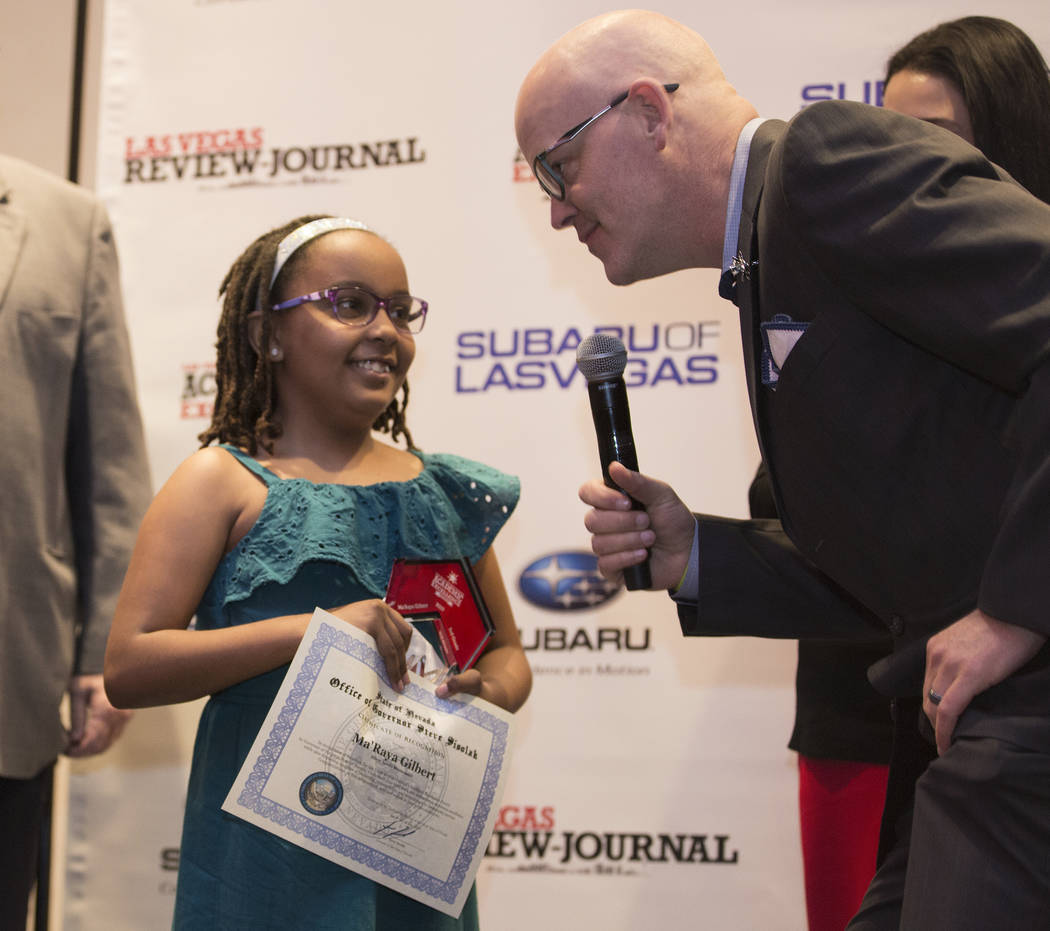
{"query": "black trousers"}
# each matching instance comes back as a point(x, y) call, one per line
point(23, 803)
point(972, 850)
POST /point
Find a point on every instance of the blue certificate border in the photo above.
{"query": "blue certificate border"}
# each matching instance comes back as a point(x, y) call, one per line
point(446, 890)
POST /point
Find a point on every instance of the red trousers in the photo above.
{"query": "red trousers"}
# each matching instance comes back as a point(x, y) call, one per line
point(840, 807)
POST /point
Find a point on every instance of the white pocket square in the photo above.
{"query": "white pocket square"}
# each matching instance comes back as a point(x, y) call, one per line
point(779, 337)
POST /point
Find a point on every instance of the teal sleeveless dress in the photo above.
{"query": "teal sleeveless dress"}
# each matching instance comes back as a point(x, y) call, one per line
point(314, 546)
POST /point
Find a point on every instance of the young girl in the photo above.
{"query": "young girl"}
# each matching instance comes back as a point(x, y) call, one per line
point(299, 506)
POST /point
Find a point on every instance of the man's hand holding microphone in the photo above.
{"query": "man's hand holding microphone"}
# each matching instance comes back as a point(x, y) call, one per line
point(639, 527)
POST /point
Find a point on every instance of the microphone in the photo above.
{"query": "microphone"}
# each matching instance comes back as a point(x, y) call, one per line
point(602, 358)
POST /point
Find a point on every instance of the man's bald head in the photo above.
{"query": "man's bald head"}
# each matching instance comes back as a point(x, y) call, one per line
point(681, 150)
point(592, 60)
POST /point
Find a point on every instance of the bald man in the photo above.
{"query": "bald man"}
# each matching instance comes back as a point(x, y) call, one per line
point(894, 295)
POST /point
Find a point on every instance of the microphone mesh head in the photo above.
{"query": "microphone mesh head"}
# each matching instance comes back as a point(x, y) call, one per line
point(600, 357)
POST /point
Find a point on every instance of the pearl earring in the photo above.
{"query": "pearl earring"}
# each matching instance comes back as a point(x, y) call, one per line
point(275, 352)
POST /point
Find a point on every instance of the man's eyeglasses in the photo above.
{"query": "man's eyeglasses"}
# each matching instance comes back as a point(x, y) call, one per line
point(549, 177)
point(357, 306)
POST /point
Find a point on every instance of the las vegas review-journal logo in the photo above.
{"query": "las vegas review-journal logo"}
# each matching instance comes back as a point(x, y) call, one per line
point(526, 838)
point(242, 157)
point(567, 581)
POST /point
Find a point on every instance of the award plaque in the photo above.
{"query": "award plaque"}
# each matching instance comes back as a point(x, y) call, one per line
point(442, 599)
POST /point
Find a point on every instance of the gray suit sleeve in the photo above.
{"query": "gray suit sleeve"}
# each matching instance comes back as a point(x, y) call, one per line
point(107, 474)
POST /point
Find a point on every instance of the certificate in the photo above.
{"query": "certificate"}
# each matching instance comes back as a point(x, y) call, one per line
point(401, 787)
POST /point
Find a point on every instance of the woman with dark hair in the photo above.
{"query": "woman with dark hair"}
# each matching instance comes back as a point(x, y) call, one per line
point(983, 79)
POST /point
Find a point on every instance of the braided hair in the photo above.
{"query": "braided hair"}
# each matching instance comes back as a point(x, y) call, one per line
point(246, 394)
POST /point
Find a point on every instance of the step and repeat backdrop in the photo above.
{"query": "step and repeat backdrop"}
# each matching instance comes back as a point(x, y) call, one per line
point(651, 783)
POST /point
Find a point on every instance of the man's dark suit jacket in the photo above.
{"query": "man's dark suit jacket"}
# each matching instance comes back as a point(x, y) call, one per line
point(908, 437)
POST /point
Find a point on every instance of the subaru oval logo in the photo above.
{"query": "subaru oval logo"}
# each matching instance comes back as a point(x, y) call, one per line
point(566, 582)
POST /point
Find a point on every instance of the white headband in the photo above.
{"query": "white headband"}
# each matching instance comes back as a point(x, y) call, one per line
point(306, 232)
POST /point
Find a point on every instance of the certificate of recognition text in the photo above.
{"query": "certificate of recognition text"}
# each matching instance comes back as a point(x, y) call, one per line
point(400, 787)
